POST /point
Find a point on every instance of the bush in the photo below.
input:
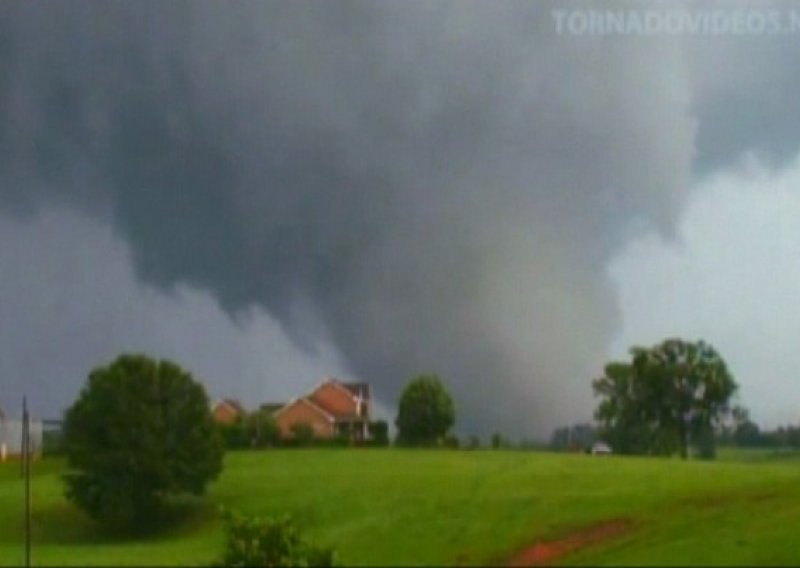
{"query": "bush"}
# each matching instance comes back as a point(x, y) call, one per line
point(379, 431)
point(302, 434)
point(52, 443)
point(255, 430)
point(261, 429)
point(270, 542)
point(497, 441)
point(234, 435)
point(451, 441)
point(140, 432)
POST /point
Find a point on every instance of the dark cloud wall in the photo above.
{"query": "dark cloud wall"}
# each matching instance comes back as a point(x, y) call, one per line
point(71, 302)
point(744, 89)
point(435, 186)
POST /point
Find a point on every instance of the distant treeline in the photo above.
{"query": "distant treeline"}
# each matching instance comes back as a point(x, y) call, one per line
point(578, 437)
point(746, 434)
point(749, 435)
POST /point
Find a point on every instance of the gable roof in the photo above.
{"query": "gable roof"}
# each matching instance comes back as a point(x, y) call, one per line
point(359, 389)
point(329, 381)
point(272, 407)
point(354, 389)
point(235, 404)
point(328, 416)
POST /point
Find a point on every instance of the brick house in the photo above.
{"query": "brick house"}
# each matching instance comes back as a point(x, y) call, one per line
point(227, 410)
point(332, 409)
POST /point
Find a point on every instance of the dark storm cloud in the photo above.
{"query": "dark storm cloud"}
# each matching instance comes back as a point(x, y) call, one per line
point(71, 302)
point(745, 91)
point(437, 185)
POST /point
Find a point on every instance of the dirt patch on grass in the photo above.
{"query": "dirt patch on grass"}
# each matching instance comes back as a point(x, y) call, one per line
point(764, 497)
point(711, 501)
point(547, 552)
point(716, 501)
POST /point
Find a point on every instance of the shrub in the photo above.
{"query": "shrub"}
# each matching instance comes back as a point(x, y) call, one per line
point(140, 432)
point(255, 430)
point(379, 431)
point(234, 435)
point(252, 541)
point(451, 441)
point(498, 441)
point(52, 443)
point(261, 429)
point(303, 434)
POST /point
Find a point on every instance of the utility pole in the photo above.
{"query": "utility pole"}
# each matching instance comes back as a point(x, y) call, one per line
point(26, 464)
point(22, 442)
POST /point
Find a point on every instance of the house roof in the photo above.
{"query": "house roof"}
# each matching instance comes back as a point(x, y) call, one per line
point(333, 382)
point(272, 407)
point(235, 404)
point(359, 389)
point(354, 389)
point(328, 416)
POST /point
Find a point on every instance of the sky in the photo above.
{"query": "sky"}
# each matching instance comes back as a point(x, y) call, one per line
point(731, 276)
point(273, 193)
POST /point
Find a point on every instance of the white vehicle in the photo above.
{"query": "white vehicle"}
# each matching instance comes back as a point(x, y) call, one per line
point(600, 448)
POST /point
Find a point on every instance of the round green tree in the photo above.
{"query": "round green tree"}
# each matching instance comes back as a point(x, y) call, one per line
point(425, 413)
point(140, 431)
point(668, 397)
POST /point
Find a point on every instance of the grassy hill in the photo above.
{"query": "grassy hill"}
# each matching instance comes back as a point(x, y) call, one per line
point(450, 507)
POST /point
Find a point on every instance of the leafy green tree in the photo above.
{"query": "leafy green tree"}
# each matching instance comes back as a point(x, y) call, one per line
point(261, 429)
point(426, 412)
point(497, 441)
point(578, 437)
point(451, 441)
point(667, 395)
point(140, 431)
point(793, 436)
point(748, 434)
point(235, 435)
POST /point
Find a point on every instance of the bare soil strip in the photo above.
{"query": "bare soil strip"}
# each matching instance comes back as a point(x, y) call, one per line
point(545, 553)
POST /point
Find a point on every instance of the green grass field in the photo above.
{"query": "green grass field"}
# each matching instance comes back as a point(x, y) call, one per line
point(450, 507)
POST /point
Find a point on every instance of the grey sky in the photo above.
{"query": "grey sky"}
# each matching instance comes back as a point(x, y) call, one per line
point(732, 277)
point(286, 190)
point(75, 303)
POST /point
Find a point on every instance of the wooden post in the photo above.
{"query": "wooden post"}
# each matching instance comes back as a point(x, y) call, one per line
point(22, 442)
point(26, 460)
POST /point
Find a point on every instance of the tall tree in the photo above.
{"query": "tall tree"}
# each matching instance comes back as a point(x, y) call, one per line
point(140, 431)
point(665, 396)
point(426, 412)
